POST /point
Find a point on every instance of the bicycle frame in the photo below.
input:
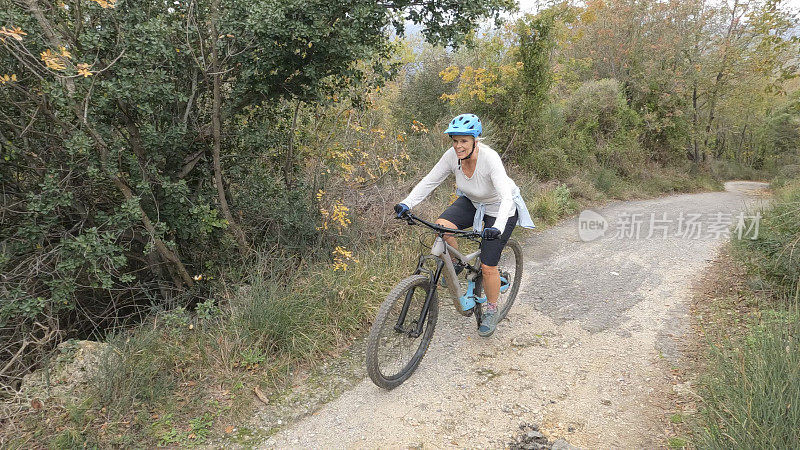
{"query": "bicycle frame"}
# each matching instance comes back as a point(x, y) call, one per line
point(442, 252)
point(391, 357)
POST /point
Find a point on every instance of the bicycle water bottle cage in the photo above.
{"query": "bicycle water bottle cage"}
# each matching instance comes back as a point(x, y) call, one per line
point(469, 299)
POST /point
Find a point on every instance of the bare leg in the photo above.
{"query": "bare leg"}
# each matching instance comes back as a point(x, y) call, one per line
point(449, 237)
point(491, 283)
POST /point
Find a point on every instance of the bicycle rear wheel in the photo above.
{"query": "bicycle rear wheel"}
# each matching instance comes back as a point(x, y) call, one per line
point(510, 268)
point(393, 350)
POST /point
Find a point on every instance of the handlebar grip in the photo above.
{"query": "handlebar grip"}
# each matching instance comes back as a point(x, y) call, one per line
point(407, 217)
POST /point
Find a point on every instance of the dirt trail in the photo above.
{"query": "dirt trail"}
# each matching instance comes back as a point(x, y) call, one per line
point(585, 352)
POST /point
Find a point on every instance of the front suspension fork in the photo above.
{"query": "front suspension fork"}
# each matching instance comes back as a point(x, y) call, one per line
point(416, 332)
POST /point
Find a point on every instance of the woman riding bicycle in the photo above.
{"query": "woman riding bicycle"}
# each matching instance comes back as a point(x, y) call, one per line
point(488, 200)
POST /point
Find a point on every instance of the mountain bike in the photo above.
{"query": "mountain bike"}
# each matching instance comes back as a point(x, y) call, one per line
point(404, 326)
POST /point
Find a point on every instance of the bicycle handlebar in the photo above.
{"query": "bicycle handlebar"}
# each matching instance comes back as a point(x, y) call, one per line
point(411, 218)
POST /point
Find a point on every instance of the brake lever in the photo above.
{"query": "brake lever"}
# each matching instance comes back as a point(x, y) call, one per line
point(407, 218)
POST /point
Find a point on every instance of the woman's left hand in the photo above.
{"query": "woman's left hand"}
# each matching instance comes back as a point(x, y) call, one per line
point(490, 233)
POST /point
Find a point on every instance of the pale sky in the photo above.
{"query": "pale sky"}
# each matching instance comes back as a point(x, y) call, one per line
point(530, 5)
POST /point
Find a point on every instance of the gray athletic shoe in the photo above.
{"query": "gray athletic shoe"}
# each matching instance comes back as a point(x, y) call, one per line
point(488, 320)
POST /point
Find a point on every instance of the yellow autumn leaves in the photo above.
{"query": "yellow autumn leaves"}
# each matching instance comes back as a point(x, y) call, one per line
point(58, 61)
point(13, 32)
point(364, 153)
point(418, 127)
point(83, 69)
point(360, 160)
point(8, 78)
point(481, 83)
point(105, 3)
point(53, 60)
point(449, 74)
point(336, 216)
point(341, 258)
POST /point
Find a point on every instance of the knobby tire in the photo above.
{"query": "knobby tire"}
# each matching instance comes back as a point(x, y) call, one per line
point(383, 330)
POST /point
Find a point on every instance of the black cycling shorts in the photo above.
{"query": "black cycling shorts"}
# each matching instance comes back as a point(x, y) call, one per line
point(462, 214)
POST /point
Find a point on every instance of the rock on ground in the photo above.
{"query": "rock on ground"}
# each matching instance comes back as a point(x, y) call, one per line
point(69, 371)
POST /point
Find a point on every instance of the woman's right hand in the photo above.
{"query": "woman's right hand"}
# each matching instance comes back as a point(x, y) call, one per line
point(401, 209)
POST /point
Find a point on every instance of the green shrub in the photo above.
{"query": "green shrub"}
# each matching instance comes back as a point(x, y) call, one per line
point(724, 169)
point(582, 187)
point(421, 88)
point(595, 127)
point(788, 170)
point(751, 395)
point(773, 257)
point(676, 443)
point(277, 216)
point(623, 154)
point(600, 108)
point(71, 439)
point(549, 163)
point(137, 369)
point(553, 204)
point(608, 182)
point(655, 180)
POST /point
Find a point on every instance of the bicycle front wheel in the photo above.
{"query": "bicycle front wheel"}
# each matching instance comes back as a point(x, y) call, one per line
point(395, 345)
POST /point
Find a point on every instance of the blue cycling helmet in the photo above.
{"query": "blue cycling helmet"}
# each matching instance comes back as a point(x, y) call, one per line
point(465, 125)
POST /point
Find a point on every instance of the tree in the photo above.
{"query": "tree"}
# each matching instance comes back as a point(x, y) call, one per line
point(537, 38)
point(640, 44)
point(124, 138)
point(735, 48)
point(421, 87)
point(678, 60)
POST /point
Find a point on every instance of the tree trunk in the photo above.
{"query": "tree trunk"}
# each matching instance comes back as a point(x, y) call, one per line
point(288, 165)
point(53, 38)
point(217, 134)
point(695, 114)
point(179, 273)
point(718, 80)
point(722, 142)
point(741, 142)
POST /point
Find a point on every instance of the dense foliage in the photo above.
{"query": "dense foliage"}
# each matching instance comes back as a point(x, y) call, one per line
point(223, 169)
point(147, 143)
point(148, 147)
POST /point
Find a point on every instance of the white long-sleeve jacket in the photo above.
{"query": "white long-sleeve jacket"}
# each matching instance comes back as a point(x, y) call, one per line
point(489, 185)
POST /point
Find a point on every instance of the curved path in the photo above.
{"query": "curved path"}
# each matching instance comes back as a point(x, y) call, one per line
point(585, 353)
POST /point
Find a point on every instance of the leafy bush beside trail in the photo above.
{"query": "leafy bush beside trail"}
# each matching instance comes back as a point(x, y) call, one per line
point(752, 387)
